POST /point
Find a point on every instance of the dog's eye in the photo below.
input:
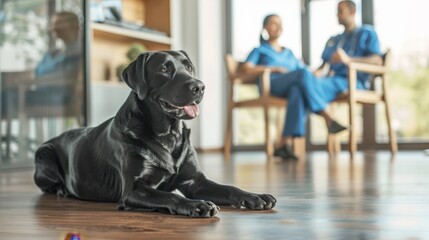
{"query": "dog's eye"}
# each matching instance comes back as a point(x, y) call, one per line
point(164, 69)
point(189, 68)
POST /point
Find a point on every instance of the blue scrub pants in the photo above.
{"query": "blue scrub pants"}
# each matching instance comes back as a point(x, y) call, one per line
point(305, 93)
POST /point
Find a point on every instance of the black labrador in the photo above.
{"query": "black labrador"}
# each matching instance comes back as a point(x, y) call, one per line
point(141, 155)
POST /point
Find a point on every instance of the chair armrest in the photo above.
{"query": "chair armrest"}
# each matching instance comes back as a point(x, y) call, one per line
point(354, 68)
point(265, 83)
point(49, 82)
point(251, 79)
point(368, 68)
point(19, 83)
point(244, 78)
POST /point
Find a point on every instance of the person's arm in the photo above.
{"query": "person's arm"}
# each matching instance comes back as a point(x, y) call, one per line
point(342, 56)
point(372, 59)
point(250, 68)
point(371, 49)
point(321, 70)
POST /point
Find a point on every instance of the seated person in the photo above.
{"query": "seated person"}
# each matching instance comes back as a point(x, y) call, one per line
point(286, 81)
point(58, 71)
point(55, 78)
point(355, 44)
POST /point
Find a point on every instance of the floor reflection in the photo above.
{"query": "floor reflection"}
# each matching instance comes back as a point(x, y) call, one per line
point(373, 196)
point(369, 197)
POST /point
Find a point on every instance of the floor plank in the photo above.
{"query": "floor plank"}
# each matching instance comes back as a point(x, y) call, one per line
point(373, 196)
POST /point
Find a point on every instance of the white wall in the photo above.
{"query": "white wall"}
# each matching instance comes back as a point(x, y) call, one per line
point(211, 52)
point(184, 22)
point(106, 100)
point(199, 29)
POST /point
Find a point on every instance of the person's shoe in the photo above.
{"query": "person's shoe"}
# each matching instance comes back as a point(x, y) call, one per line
point(336, 127)
point(285, 152)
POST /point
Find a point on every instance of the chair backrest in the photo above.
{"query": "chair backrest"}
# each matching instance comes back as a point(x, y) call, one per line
point(386, 61)
point(233, 70)
point(72, 105)
point(10, 82)
point(231, 65)
point(386, 57)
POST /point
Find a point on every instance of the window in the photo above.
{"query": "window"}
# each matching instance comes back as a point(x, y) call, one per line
point(41, 74)
point(402, 27)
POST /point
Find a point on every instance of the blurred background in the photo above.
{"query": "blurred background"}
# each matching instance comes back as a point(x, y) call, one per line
point(60, 60)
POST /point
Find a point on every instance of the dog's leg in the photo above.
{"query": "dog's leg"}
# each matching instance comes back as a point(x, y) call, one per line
point(144, 198)
point(202, 188)
point(49, 176)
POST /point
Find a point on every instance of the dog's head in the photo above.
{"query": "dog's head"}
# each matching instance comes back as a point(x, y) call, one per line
point(168, 79)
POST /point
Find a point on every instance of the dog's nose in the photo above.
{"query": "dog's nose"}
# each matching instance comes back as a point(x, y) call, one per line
point(198, 88)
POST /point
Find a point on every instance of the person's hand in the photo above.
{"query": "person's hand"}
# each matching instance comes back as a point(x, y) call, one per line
point(318, 73)
point(279, 69)
point(343, 56)
point(340, 57)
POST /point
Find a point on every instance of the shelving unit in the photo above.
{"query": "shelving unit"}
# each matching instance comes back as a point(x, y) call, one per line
point(110, 43)
point(128, 33)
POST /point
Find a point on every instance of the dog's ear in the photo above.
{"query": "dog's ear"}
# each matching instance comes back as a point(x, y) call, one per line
point(186, 55)
point(134, 75)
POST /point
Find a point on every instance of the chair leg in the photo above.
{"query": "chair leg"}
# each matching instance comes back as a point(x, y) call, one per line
point(227, 141)
point(352, 111)
point(280, 124)
point(392, 136)
point(40, 133)
point(8, 135)
point(298, 146)
point(268, 145)
point(352, 133)
point(333, 144)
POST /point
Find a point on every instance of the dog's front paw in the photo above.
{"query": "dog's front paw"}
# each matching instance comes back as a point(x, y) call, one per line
point(200, 208)
point(256, 201)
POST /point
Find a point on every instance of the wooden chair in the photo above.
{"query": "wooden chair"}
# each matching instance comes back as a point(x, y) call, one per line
point(13, 86)
point(354, 96)
point(23, 83)
point(265, 101)
point(71, 106)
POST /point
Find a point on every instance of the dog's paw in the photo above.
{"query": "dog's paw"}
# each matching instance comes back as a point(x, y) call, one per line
point(256, 201)
point(201, 208)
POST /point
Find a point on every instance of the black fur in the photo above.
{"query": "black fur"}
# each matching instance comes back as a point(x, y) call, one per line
point(141, 155)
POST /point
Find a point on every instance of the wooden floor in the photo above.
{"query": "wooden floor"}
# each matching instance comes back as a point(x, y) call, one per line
point(371, 197)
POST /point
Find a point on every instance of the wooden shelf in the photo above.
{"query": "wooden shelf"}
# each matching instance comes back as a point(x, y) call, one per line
point(110, 43)
point(131, 33)
point(112, 83)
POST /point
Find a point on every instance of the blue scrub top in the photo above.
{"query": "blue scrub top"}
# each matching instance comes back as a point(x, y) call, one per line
point(361, 42)
point(63, 62)
point(266, 55)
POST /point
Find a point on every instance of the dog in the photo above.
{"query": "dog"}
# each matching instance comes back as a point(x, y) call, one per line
point(140, 156)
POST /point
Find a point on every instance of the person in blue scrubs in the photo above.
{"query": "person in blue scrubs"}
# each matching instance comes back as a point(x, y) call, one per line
point(58, 71)
point(58, 61)
point(293, 81)
point(355, 44)
point(289, 79)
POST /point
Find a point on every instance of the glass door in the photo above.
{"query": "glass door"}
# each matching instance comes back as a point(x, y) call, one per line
point(42, 70)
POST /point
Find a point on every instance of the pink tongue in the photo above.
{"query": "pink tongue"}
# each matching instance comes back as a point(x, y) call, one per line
point(192, 110)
